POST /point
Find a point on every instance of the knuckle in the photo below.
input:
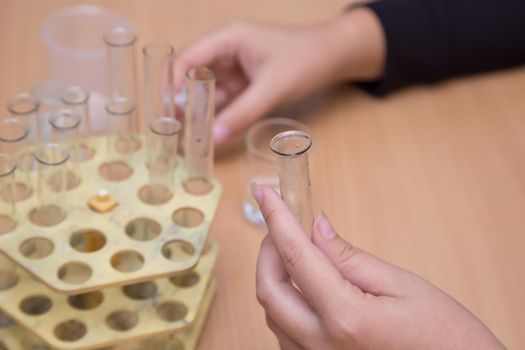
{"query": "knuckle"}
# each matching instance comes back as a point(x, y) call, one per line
point(348, 256)
point(263, 295)
point(349, 325)
point(293, 255)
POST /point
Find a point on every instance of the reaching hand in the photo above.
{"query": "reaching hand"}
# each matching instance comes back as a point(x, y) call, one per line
point(260, 67)
point(348, 299)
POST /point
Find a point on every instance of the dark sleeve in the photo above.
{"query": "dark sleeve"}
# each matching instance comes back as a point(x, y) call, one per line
point(431, 40)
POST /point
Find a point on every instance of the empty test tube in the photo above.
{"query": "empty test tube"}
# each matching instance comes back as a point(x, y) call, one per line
point(65, 125)
point(162, 140)
point(76, 98)
point(25, 107)
point(7, 203)
point(52, 183)
point(158, 81)
point(291, 150)
point(198, 129)
point(14, 134)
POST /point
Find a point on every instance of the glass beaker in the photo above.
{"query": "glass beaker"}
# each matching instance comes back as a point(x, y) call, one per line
point(198, 129)
point(14, 141)
point(25, 107)
point(158, 81)
point(260, 165)
point(65, 129)
point(291, 152)
point(7, 203)
point(162, 140)
point(76, 99)
point(52, 183)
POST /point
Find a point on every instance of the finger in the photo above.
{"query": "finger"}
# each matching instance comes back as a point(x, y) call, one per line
point(250, 105)
point(204, 52)
point(319, 281)
point(369, 273)
point(280, 299)
point(285, 342)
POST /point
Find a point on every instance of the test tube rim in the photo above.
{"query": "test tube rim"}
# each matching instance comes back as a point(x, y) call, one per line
point(167, 119)
point(108, 40)
point(38, 151)
point(14, 99)
point(11, 162)
point(109, 110)
point(23, 125)
point(64, 111)
point(252, 131)
point(170, 53)
point(70, 102)
point(291, 133)
point(209, 71)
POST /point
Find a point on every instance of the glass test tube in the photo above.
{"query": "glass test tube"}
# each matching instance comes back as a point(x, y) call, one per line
point(120, 141)
point(25, 107)
point(76, 99)
point(14, 134)
point(7, 203)
point(198, 129)
point(122, 67)
point(52, 183)
point(158, 81)
point(65, 125)
point(162, 140)
point(291, 150)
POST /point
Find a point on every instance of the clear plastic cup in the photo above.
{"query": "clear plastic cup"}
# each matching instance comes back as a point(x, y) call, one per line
point(77, 54)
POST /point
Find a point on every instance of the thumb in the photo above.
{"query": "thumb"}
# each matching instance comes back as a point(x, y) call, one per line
point(366, 271)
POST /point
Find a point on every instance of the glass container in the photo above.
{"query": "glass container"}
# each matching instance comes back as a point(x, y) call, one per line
point(52, 183)
point(260, 166)
point(65, 125)
point(7, 203)
point(162, 140)
point(198, 129)
point(291, 152)
point(48, 92)
point(121, 140)
point(14, 134)
point(158, 81)
point(25, 107)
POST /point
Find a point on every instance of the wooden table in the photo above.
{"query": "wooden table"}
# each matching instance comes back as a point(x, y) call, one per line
point(431, 178)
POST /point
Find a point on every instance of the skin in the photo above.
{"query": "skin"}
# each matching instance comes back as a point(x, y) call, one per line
point(260, 67)
point(324, 293)
point(328, 294)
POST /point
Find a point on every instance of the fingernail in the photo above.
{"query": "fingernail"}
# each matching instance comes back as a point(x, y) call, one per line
point(221, 133)
point(325, 227)
point(256, 192)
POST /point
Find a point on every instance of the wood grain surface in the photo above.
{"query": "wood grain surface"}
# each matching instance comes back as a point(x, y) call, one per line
point(430, 178)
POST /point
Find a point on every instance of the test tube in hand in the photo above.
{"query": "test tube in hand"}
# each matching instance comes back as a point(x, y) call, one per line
point(291, 151)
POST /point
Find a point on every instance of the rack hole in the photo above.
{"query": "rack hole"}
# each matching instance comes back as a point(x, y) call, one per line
point(36, 248)
point(172, 311)
point(115, 171)
point(30, 342)
point(86, 301)
point(143, 229)
point(155, 194)
point(188, 217)
point(7, 280)
point(87, 240)
point(7, 224)
point(47, 215)
point(74, 272)
point(17, 193)
point(71, 330)
point(189, 279)
point(84, 153)
point(127, 261)
point(178, 250)
point(36, 305)
point(122, 320)
point(141, 291)
point(198, 186)
point(5, 321)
